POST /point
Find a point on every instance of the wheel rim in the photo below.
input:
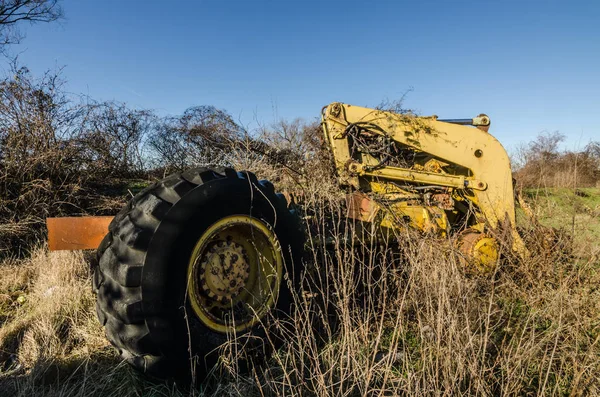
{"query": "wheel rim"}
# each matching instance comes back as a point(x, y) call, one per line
point(234, 273)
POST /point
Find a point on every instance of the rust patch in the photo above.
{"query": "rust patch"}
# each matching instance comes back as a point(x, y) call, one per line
point(443, 200)
point(361, 207)
point(76, 233)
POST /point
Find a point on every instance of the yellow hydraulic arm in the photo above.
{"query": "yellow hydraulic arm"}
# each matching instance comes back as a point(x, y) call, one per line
point(487, 176)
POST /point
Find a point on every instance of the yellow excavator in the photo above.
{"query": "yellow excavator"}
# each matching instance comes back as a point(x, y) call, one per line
point(209, 253)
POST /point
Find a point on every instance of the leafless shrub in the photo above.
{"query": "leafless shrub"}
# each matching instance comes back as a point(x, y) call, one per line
point(60, 155)
point(112, 137)
point(16, 12)
point(541, 163)
point(46, 169)
point(200, 136)
point(287, 153)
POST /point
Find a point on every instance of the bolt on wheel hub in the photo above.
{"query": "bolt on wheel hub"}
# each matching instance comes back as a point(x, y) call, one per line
point(224, 270)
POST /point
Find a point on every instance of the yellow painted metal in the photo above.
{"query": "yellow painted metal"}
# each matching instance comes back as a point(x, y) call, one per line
point(417, 176)
point(480, 250)
point(236, 249)
point(398, 215)
point(486, 252)
point(480, 165)
point(427, 219)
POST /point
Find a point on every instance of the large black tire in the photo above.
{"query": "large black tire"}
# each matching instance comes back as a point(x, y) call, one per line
point(140, 279)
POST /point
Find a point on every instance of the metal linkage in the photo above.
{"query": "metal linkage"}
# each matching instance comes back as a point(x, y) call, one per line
point(481, 120)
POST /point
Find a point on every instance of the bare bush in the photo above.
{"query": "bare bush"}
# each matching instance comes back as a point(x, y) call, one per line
point(200, 136)
point(36, 159)
point(46, 168)
point(60, 155)
point(541, 163)
point(112, 137)
point(285, 152)
point(16, 12)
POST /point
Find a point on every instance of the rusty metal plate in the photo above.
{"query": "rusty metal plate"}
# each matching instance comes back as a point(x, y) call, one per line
point(76, 233)
point(361, 207)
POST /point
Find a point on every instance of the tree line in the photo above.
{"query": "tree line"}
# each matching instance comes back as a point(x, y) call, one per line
point(64, 154)
point(542, 163)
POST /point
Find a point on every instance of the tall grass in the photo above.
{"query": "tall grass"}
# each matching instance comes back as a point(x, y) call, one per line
point(376, 317)
point(396, 318)
point(405, 318)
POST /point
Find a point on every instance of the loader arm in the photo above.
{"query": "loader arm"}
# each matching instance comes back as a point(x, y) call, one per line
point(483, 172)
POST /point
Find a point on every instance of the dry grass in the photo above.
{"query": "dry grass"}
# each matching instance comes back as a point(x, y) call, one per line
point(372, 320)
point(395, 318)
point(414, 323)
point(51, 343)
point(398, 318)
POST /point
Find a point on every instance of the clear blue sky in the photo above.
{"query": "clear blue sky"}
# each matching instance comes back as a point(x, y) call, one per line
point(530, 65)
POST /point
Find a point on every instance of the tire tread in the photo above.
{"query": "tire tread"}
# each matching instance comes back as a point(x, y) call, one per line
point(117, 277)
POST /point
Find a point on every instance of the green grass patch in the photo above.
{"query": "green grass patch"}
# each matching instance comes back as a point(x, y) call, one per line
point(575, 210)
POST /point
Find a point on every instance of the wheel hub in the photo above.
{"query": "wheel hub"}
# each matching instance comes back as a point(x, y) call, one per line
point(234, 273)
point(224, 270)
point(480, 250)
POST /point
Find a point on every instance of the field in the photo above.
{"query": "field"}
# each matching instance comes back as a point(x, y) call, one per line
point(470, 305)
point(577, 211)
point(418, 325)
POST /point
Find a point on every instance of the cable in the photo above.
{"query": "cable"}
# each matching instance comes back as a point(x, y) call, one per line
point(354, 130)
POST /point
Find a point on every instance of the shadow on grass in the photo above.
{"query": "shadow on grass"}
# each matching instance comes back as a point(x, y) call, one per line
point(99, 374)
